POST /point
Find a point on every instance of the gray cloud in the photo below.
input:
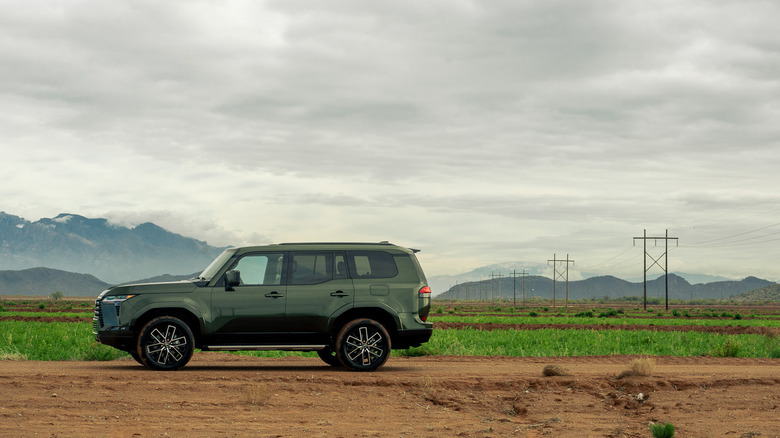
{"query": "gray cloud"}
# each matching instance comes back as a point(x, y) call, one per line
point(440, 123)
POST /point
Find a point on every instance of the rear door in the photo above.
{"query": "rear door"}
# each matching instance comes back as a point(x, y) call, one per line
point(318, 288)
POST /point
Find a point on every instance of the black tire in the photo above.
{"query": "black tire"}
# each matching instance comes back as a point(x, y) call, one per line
point(329, 357)
point(134, 355)
point(363, 345)
point(165, 343)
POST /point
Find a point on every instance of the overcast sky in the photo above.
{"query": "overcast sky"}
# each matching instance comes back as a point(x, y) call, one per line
point(479, 132)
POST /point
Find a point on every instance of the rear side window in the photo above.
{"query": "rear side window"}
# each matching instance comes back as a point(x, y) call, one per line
point(313, 268)
point(371, 264)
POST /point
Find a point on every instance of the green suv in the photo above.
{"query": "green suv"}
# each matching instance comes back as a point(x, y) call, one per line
point(350, 302)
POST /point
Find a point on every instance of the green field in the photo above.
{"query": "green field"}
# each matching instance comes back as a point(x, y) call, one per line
point(35, 338)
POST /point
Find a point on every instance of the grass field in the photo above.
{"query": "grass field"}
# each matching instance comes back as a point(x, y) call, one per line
point(61, 330)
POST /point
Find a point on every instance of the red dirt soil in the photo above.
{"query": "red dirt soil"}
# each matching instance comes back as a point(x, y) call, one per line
point(220, 394)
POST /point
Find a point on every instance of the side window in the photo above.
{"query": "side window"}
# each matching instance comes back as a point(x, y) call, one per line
point(372, 264)
point(341, 267)
point(313, 268)
point(260, 269)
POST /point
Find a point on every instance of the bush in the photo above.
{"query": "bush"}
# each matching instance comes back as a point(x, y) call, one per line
point(533, 314)
point(662, 430)
point(639, 367)
point(608, 313)
point(554, 370)
point(57, 295)
point(730, 348)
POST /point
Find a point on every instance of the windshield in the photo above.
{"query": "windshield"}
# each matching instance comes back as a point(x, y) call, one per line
point(214, 266)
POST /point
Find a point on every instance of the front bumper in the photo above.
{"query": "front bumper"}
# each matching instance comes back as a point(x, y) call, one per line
point(119, 338)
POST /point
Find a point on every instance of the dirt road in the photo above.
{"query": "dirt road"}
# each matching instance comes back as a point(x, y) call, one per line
point(226, 395)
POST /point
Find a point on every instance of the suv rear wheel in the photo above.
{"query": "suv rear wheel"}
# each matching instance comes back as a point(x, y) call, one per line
point(363, 345)
point(165, 343)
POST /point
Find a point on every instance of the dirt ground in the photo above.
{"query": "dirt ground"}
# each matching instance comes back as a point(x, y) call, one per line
point(219, 394)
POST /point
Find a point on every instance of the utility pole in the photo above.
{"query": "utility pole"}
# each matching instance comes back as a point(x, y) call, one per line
point(665, 255)
point(499, 286)
point(557, 274)
point(523, 287)
point(514, 286)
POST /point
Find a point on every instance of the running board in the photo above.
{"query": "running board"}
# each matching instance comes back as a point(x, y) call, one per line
point(263, 347)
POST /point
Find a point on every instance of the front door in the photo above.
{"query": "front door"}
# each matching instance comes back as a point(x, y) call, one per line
point(253, 312)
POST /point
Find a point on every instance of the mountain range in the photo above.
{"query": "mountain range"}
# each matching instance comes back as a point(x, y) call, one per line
point(80, 257)
point(598, 287)
point(110, 252)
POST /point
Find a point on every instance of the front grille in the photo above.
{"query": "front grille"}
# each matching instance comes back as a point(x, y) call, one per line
point(97, 320)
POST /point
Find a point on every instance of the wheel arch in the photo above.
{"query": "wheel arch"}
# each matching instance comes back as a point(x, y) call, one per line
point(177, 312)
point(379, 315)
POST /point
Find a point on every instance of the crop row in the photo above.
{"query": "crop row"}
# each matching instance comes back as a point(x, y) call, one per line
point(604, 321)
point(74, 341)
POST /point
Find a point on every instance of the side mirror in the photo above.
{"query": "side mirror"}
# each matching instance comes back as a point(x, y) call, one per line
point(232, 278)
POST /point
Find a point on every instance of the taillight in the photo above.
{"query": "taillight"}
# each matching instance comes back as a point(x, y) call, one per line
point(425, 292)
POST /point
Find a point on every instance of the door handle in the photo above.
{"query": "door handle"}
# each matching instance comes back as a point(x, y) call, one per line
point(274, 294)
point(339, 293)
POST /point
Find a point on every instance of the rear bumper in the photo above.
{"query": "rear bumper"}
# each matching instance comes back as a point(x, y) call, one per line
point(412, 338)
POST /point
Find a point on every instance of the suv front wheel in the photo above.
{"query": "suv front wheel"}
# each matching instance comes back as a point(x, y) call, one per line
point(165, 343)
point(363, 345)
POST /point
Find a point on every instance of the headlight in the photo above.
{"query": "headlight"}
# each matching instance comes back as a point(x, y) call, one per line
point(117, 299)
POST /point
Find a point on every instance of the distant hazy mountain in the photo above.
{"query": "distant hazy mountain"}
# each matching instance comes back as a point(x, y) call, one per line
point(441, 283)
point(112, 253)
point(44, 281)
point(768, 293)
point(604, 286)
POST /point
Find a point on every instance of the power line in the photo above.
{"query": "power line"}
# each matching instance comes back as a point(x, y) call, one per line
point(737, 235)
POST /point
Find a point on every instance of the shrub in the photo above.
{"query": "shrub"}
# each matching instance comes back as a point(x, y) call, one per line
point(41, 305)
point(643, 367)
point(730, 348)
point(675, 312)
point(737, 316)
point(533, 314)
point(554, 370)
point(257, 394)
point(662, 430)
point(608, 313)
